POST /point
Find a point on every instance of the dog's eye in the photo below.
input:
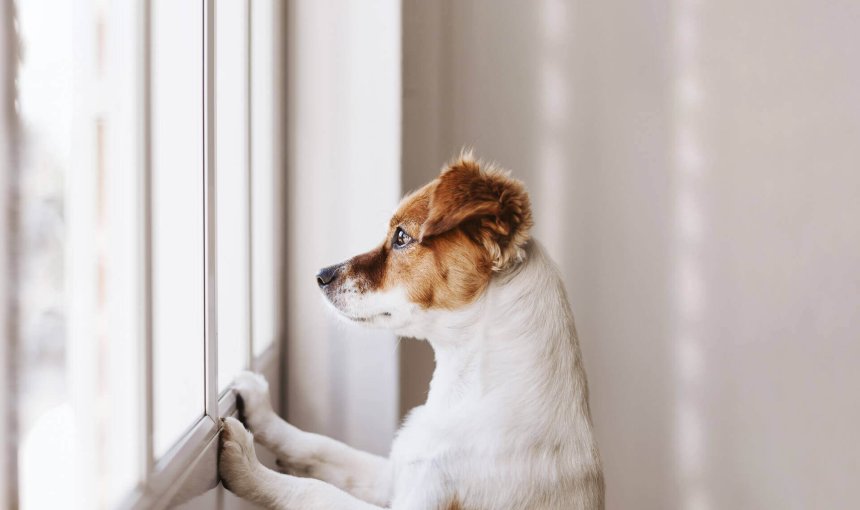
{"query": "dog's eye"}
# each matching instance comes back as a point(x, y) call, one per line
point(401, 238)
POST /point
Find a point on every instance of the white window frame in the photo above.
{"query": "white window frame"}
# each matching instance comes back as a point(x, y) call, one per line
point(189, 468)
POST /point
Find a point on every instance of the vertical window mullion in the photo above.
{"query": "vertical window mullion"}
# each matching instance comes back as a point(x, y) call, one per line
point(8, 256)
point(146, 384)
point(250, 170)
point(210, 212)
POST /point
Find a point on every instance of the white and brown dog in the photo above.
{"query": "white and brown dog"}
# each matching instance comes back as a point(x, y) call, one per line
point(506, 424)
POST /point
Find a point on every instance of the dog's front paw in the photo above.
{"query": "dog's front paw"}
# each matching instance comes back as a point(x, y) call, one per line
point(237, 463)
point(253, 402)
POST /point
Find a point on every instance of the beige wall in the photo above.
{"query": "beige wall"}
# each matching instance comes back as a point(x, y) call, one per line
point(343, 155)
point(695, 170)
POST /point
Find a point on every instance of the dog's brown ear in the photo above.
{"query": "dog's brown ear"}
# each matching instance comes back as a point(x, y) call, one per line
point(487, 204)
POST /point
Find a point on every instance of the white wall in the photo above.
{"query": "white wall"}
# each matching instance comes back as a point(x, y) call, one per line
point(695, 170)
point(344, 159)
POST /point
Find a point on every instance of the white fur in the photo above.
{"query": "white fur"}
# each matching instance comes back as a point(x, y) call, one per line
point(389, 309)
point(506, 424)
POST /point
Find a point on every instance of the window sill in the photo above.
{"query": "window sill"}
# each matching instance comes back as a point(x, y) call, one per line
point(190, 467)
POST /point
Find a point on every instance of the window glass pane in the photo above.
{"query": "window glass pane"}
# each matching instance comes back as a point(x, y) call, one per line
point(231, 152)
point(78, 358)
point(263, 181)
point(120, 215)
point(177, 218)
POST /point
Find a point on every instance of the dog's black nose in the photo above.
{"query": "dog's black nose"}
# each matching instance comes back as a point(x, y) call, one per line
point(327, 275)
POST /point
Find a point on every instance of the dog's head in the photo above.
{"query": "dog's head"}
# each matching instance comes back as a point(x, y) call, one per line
point(443, 246)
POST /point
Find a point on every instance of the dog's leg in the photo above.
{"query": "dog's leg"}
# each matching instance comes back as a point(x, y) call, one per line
point(245, 476)
point(361, 474)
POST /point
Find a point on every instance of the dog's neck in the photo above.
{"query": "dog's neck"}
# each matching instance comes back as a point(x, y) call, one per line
point(518, 340)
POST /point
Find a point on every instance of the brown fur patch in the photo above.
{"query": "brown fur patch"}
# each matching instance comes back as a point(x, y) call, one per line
point(466, 224)
point(447, 271)
point(368, 269)
point(488, 204)
point(454, 504)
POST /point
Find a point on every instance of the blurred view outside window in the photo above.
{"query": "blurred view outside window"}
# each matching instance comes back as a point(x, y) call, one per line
point(107, 229)
point(77, 343)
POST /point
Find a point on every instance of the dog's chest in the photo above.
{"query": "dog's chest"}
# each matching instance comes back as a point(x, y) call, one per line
point(421, 439)
point(436, 452)
point(426, 457)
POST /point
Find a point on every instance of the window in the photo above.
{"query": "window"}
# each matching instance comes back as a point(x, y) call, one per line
point(176, 218)
point(139, 157)
point(233, 192)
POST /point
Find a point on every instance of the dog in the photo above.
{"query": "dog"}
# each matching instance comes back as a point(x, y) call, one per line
point(506, 424)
